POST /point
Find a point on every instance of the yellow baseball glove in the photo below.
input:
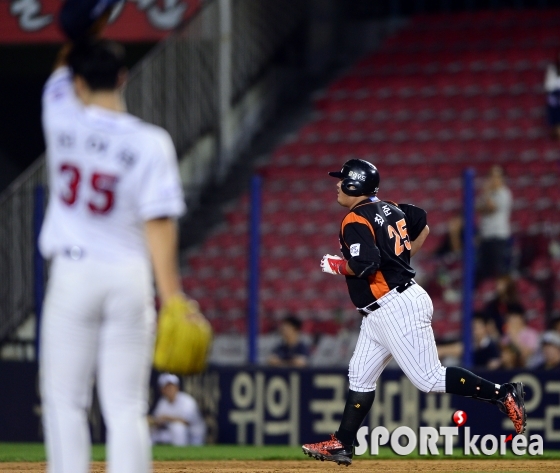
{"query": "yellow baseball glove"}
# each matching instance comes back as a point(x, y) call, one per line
point(183, 339)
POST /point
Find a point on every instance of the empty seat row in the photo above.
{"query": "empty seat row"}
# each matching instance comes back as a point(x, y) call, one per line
point(491, 38)
point(423, 116)
point(444, 134)
point(403, 115)
point(323, 128)
point(448, 108)
point(472, 22)
point(486, 80)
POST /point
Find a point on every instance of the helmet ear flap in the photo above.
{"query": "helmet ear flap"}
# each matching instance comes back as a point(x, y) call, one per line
point(351, 187)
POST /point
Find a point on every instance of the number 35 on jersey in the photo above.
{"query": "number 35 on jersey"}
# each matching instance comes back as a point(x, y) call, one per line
point(101, 189)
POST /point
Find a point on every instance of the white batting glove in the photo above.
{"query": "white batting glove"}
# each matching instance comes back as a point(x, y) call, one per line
point(333, 264)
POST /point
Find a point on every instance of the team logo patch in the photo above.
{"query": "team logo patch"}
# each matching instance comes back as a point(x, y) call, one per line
point(355, 249)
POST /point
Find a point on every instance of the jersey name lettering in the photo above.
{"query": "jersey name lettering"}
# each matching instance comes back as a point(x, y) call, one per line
point(65, 140)
point(96, 144)
point(127, 158)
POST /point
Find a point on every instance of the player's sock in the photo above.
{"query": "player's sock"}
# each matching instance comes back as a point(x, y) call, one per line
point(357, 406)
point(464, 383)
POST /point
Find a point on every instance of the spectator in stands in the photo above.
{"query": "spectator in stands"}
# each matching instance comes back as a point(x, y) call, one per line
point(510, 357)
point(524, 338)
point(505, 301)
point(450, 354)
point(452, 243)
point(176, 419)
point(292, 351)
point(552, 88)
point(555, 324)
point(551, 351)
point(486, 351)
point(494, 251)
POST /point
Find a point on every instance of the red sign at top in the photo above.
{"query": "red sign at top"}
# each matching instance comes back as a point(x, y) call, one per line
point(35, 21)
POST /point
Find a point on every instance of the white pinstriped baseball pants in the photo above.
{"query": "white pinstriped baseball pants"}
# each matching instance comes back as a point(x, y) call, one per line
point(400, 329)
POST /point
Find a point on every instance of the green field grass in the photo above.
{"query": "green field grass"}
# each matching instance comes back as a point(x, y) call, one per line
point(36, 452)
point(33, 452)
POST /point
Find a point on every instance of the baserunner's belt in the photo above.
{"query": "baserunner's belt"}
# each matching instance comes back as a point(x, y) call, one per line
point(365, 311)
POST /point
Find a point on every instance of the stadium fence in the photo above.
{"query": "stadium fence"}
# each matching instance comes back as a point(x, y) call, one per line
point(199, 84)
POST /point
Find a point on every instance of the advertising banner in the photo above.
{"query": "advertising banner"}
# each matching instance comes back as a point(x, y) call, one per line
point(20, 403)
point(274, 406)
point(259, 406)
point(34, 21)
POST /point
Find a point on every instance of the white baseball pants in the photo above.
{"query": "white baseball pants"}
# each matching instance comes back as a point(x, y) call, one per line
point(98, 323)
point(179, 434)
point(400, 329)
point(174, 433)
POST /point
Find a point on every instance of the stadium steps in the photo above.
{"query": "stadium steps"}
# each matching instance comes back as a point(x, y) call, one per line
point(447, 92)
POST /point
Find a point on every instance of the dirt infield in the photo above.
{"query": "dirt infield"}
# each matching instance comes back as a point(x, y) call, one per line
point(360, 466)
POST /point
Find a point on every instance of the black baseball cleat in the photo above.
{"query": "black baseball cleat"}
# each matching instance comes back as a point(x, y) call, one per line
point(330, 450)
point(512, 404)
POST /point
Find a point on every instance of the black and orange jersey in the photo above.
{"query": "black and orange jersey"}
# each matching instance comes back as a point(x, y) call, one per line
point(375, 238)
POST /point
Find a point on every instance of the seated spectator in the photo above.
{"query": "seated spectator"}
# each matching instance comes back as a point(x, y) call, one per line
point(510, 357)
point(494, 250)
point(551, 351)
point(292, 351)
point(486, 351)
point(176, 419)
point(524, 338)
point(450, 353)
point(552, 88)
point(505, 301)
point(452, 242)
point(555, 324)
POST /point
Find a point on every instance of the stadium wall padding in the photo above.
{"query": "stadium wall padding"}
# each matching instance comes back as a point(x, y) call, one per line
point(260, 405)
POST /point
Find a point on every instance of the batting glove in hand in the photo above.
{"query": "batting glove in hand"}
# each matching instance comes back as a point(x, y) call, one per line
point(333, 265)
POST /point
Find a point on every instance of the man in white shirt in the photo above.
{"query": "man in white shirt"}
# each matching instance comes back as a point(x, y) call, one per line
point(552, 88)
point(494, 227)
point(176, 419)
point(114, 197)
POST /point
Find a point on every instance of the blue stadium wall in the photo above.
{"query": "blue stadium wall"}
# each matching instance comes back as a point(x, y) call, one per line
point(276, 406)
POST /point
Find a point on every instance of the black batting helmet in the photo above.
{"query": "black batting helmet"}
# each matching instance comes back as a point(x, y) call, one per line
point(358, 178)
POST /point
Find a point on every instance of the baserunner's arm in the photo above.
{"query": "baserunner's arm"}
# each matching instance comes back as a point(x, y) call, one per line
point(417, 244)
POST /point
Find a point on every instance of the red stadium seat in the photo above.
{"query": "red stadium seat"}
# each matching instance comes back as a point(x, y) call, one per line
point(446, 92)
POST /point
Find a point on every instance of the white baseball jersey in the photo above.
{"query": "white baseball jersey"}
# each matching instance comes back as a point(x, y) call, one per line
point(183, 407)
point(108, 173)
